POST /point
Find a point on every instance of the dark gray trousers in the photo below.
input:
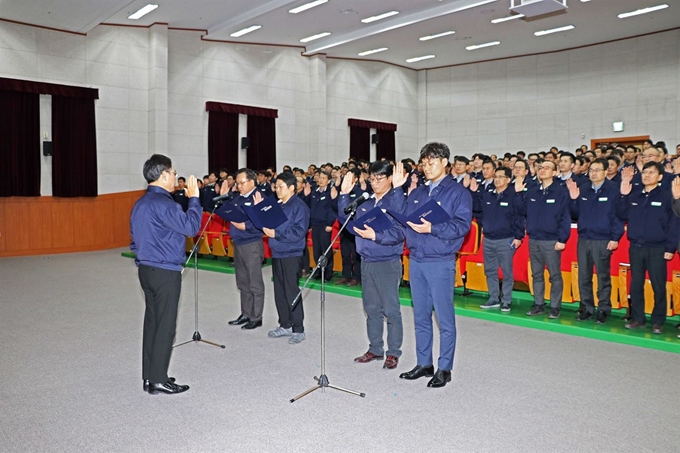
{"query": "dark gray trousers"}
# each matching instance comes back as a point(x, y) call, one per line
point(380, 294)
point(497, 252)
point(542, 254)
point(594, 253)
point(248, 263)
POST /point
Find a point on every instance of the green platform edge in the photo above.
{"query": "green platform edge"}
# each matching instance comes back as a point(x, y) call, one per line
point(612, 331)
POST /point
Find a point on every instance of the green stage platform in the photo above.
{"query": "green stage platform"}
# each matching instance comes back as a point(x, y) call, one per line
point(612, 330)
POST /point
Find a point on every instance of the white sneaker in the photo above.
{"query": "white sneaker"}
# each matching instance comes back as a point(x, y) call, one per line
point(297, 338)
point(280, 332)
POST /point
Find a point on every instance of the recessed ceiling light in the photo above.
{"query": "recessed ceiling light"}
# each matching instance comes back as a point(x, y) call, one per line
point(313, 37)
point(480, 46)
point(245, 31)
point(307, 6)
point(368, 20)
point(643, 11)
point(438, 35)
point(584, 1)
point(143, 11)
point(505, 19)
point(425, 57)
point(369, 52)
point(554, 30)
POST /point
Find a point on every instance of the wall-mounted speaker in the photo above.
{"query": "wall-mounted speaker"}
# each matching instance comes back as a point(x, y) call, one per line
point(375, 138)
point(47, 148)
point(245, 142)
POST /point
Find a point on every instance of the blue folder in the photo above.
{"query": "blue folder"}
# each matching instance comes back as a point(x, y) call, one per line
point(375, 218)
point(231, 213)
point(266, 214)
point(430, 211)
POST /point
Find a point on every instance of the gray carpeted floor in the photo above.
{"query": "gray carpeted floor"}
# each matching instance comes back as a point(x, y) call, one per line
point(70, 379)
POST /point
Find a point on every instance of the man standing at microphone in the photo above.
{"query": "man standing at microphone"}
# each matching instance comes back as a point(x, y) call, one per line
point(158, 226)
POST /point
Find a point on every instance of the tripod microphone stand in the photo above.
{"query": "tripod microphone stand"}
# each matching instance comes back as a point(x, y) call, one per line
point(322, 380)
point(197, 336)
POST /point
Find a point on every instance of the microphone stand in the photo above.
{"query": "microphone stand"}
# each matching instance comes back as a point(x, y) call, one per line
point(197, 336)
point(322, 380)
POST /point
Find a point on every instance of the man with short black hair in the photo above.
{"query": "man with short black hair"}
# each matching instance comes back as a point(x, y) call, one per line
point(248, 254)
point(323, 211)
point(180, 195)
point(653, 234)
point(158, 227)
point(433, 249)
point(287, 241)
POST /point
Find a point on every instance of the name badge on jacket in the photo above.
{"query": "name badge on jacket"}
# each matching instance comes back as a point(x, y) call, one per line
point(550, 201)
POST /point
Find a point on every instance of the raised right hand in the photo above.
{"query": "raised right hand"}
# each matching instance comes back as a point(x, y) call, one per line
point(192, 187)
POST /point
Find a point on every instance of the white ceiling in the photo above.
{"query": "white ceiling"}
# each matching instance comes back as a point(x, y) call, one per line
point(595, 21)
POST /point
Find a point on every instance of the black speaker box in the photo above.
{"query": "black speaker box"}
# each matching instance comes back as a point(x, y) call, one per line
point(47, 148)
point(245, 142)
point(375, 138)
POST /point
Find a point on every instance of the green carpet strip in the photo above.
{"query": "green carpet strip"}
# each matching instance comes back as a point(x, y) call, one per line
point(612, 331)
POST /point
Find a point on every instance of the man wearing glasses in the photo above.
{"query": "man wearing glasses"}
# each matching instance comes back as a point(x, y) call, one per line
point(248, 254)
point(158, 226)
point(548, 224)
point(503, 231)
point(433, 249)
point(653, 234)
point(650, 154)
point(599, 232)
point(381, 262)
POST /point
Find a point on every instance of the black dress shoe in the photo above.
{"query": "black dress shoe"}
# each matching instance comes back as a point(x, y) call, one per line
point(146, 383)
point(418, 372)
point(238, 321)
point(441, 377)
point(169, 388)
point(252, 325)
point(601, 317)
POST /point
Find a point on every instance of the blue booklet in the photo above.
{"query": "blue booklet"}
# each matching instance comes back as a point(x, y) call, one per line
point(231, 213)
point(266, 214)
point(430, 211)
point(375, 218)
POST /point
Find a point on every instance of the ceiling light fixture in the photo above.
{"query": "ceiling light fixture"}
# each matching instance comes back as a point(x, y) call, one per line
point(369, 52)
point(438, 35)
point(643, 11)
point(473, 5)
point(554, 30)
point(425, 57)
point(368, 20)
point(240, 33)
point(313, 37)
point(480, 46)
point(307, 6)
point(505, 19)
point(143, 11)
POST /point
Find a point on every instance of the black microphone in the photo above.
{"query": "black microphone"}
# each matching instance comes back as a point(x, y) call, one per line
point(226, 196)
point(355, 204)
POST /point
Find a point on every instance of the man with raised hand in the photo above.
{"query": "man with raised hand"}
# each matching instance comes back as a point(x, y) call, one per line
point(503, 230)
point(599, 232)
point(433, 250)
point(158, 227)
point(548, 224)
point(653, 236)
point(381, 262)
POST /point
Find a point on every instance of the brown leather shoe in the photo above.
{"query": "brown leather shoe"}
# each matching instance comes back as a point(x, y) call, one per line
point(657, 328)
point(353, 283)
point(342, 281)
point(635, 325)
point(391, 362)
point(369, 356)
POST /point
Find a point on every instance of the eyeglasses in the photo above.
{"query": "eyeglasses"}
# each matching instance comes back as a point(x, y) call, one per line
point(243, 182)
point(499, 177)
point(596, 170)
point(649, 156)
point(545, 167)
point(377, 179)
point(650, 172)
point(172, 171)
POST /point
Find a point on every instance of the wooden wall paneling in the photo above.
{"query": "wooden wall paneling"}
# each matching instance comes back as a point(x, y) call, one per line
point(18, 237)
point(2, 228)
point(62, 223)
point(121, 221)
point(39, 225)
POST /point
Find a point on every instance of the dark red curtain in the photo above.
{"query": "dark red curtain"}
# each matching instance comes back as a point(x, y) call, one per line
point(386, 147)
point(28, 86)
point(223, 143)
point(19, 144)
point(371, 124)
point(74, 158)
point(242, 109)
point(262, 149)
point(360, 143)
